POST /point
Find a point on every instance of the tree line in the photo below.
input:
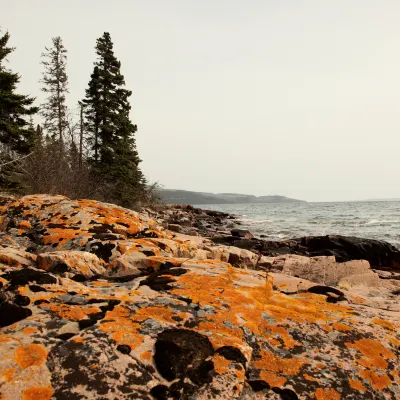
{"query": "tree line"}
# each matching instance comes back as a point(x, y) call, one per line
point(91, 155)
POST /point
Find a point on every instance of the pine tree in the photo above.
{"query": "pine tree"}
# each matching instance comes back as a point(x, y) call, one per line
point(55, 83)
point(15, 132)
point(92, 110)
point(114, 156)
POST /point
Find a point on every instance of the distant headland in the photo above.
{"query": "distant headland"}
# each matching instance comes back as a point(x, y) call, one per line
point(172, 196)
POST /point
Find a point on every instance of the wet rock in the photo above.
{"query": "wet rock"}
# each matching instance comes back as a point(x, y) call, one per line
point(344, 248)
point(242, 233)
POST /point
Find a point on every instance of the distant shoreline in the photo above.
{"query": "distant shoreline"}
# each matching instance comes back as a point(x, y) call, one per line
point(172, 196)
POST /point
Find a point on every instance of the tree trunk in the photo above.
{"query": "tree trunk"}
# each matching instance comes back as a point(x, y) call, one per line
point(81, 140)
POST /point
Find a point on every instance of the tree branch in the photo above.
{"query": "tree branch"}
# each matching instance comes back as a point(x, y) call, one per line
point(16, 160)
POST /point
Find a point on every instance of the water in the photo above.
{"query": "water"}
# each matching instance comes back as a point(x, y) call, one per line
point(374, 220)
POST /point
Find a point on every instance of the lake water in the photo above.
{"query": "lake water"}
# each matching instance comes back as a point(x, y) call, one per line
point(375, 220)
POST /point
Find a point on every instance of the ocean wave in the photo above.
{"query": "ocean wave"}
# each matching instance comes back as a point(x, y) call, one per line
point(369, 220)
point(383, 221)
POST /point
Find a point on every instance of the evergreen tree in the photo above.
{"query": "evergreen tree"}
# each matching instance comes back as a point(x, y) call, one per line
point(17, 136)
point(93, 105)
point(15, 131)
point(55, 83)
point(114, 157)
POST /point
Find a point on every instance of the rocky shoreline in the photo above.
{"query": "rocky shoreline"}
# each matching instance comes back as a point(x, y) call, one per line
point(224, 228)
point(100, 302)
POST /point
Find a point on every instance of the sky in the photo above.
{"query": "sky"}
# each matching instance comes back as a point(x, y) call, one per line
point(299, 98)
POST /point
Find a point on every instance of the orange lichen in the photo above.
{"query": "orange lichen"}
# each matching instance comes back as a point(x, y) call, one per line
point(7, 260)
point(272, 379)
point(309, 378)
point(382, 322)
point(78, 339)
point(101, 284)
point(377, 381)
point(122, 327)
point(8, 374)
point(29, 330)
point(341, 327)
point(327, 328)
point(374, 353)
point(25, 225)
point(358, 300)
point(73, 313)
point(327, 394)
point(4, 338)
point(288, 341)
point(271, 362)
point(274, 342)
point(30, 355)
point(158, 313)
point(146, 355)
point(37, 393)
point(221, 364)
point(396, 375)
point(357, 385)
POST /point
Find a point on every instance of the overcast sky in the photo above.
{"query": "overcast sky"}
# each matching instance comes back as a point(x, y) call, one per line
point(293, 97)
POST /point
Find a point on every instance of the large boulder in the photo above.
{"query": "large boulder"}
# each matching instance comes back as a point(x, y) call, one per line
point(323, 270)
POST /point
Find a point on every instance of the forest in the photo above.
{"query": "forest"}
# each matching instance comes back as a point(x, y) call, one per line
point(91, 153)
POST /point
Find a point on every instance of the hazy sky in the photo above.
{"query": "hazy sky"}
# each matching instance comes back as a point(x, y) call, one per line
point(293, 97)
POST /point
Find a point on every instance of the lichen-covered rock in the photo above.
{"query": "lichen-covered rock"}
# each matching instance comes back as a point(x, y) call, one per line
point(73, 262)
point(16, 258)
point(171, 326)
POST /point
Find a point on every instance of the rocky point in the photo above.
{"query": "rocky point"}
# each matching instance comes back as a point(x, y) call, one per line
point(101, 302)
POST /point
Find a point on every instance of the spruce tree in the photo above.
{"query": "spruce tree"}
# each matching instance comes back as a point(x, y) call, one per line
point(55, 83)
point(16, 134)
point(15, 131)
point(114, 157)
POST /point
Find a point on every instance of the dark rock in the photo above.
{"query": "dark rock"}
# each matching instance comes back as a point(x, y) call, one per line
point(37, 288)
point(175, 228)
point(233, 354)
point(258, 385)
point(285, 394)
point(124, 348)
point(179, 352)
point(65, 336)
point(242, 233)
point(21, 277)
point(160, 392)
point(11, 313)
point(333, 295)
point(378, 253)
point(22, 300)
